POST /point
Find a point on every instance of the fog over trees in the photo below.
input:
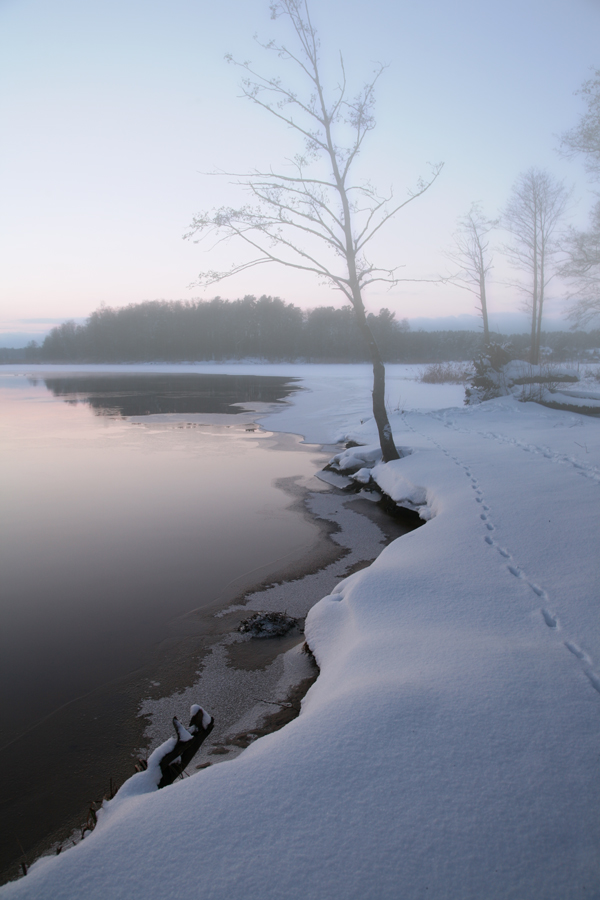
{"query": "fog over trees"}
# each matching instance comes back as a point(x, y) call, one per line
point(266, 328)
point(582, 268)
point(541, 248)
point(263, 328)
point(471, 253)
point(533, 216)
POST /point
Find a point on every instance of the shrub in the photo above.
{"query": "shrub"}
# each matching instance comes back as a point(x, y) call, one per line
point(488, 380)
point(446, 373)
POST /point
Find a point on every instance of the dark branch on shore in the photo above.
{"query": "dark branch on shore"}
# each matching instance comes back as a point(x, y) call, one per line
point(189, 740)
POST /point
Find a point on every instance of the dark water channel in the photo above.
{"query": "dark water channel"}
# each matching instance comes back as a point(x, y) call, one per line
point(126, 503)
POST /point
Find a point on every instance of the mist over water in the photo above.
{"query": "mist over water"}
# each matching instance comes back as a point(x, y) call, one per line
point(110, 529)
point(128, 502)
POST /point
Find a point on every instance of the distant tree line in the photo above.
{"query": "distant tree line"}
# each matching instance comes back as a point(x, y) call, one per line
point(267, 328)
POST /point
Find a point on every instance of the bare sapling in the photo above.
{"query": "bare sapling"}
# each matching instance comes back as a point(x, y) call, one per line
point(312, 215)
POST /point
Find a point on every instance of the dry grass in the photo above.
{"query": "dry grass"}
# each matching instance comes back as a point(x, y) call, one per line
point(446, 373)
point(594, 374)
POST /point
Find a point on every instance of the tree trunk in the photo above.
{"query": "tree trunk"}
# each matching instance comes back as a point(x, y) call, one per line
point(534, 355)
point(386, 438)
point(538, 329)
point(484, 314)
point(532, 351)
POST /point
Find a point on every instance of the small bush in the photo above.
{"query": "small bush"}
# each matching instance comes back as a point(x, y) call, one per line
point(594, 374)
point(446, 373)
point(488, 380)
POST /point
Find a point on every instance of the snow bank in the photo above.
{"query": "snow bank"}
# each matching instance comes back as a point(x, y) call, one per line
point(449, 747)
point(547, 384)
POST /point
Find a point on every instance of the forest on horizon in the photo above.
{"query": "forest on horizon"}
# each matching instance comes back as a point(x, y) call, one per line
point(268, 329)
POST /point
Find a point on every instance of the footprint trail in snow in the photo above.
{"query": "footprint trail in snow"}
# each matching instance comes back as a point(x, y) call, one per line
point(547, 615)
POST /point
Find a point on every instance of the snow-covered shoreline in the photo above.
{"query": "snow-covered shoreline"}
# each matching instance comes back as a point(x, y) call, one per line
point(449, 747)
point(245, 693)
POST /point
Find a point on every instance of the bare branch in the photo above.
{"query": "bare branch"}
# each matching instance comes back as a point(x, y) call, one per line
point(582, 271)
point(533, 216)
point(584, 138)
point(471, 254)
point(296, 211)
point(422, 187)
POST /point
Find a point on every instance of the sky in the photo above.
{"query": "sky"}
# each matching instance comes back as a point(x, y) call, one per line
point(117, 113)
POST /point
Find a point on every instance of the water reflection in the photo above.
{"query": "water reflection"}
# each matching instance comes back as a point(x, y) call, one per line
point(150, 394)
point(110, 530)
point(109, 533)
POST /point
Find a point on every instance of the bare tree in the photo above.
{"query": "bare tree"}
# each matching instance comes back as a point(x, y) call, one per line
point(584, 139)
point(471, 253)
point(582, 267)
point(312, 216)
point(533, 216)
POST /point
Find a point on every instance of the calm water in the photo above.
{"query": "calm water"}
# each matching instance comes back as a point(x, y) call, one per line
point(125, 504)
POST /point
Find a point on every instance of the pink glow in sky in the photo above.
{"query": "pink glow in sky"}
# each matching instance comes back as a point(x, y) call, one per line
point(112, 111)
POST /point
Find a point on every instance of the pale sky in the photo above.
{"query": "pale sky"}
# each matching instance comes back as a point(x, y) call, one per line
point(113, 110)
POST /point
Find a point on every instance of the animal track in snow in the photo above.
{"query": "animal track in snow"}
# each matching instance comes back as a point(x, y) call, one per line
point(504, 553)
point(577, 651)
point(594, 679)
point(588, 471)
point(550, 619)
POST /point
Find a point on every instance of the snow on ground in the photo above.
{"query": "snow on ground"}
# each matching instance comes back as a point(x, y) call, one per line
point(237, 694)
point(450, 746)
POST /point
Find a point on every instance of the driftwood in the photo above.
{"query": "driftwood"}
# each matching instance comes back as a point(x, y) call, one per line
point(189, 740)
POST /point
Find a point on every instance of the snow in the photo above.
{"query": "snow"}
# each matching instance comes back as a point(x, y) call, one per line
point(182, 732)
point(206, 718)
point(449, 747)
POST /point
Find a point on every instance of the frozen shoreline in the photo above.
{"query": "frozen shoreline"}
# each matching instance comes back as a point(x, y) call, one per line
point(174, 666)
point(449, 745)
point(245, 681)
point(240, 677)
